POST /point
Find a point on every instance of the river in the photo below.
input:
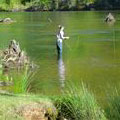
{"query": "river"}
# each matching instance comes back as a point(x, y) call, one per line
point(91, 55)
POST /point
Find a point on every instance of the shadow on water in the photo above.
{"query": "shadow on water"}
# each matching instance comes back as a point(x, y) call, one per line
point(61, 71)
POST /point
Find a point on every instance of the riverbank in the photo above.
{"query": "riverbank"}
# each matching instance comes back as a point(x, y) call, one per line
point(77, 105)
point(54, 5)
point(25, 107)
point(74, 104)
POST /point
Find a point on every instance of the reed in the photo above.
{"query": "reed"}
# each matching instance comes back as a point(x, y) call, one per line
point(112, 109)
point(78, 104)
point(22, 81)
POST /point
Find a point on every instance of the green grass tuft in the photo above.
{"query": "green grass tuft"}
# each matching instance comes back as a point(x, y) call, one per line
point(22, 81)
point(113, 107)
point(78, 104)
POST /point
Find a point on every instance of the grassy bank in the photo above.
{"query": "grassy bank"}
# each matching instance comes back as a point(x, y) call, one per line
point(74, 104)
point(25, 107)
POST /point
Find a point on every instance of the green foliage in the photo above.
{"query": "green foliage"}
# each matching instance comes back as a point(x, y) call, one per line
point(43, 4)
point(64, 5)
point(60, 4)
point(78, 104)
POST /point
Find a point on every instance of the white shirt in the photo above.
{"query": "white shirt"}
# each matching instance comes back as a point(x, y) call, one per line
point(60, 36)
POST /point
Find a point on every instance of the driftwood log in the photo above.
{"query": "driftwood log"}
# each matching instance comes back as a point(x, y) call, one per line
point(13, 56)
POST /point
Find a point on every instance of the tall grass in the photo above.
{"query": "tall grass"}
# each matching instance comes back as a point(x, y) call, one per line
point(112, 109)
point(78, 104)
point(22, 80)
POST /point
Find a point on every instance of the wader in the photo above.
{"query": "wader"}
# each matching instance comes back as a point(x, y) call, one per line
point(59, 47)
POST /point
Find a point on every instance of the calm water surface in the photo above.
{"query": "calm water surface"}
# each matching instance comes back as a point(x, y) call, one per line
point(91, 55)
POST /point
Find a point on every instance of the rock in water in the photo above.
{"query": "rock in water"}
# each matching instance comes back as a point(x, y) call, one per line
point(110, 18)
point(14, 57)
point(7, 20)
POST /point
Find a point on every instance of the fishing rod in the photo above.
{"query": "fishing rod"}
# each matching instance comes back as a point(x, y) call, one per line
point(51, 22)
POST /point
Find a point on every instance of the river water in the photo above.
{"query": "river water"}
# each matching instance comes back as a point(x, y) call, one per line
point(91, 55)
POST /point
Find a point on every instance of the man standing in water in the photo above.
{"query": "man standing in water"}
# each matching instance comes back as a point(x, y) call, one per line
point(60, 38)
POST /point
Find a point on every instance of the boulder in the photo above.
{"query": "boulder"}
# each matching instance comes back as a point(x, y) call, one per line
point(13, 56)
point(7, 20)
point(37, 111)
point(109, 18)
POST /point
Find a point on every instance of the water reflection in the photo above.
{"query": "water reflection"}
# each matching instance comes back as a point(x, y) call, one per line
point(61, 71)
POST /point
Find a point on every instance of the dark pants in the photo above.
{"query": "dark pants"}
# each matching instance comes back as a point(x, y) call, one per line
point(59, 47)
